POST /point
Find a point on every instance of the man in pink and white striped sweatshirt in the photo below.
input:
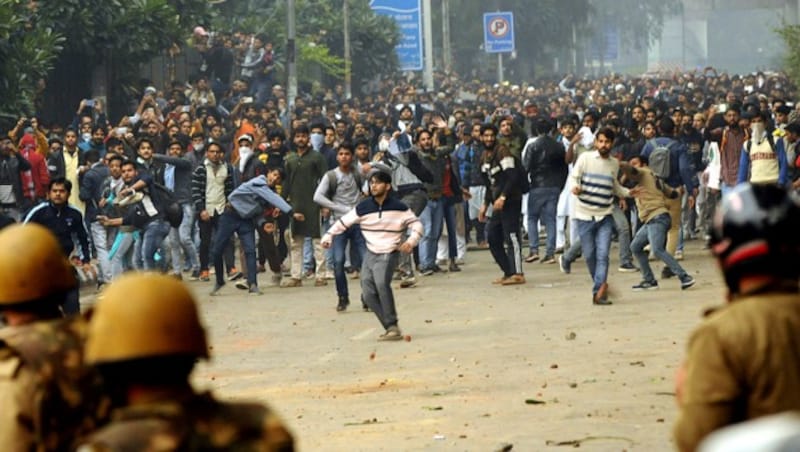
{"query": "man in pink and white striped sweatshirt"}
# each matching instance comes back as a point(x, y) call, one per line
point(383, 219)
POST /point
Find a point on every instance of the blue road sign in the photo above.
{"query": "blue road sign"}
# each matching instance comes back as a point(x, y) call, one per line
point(407, 15)
point(498, 32)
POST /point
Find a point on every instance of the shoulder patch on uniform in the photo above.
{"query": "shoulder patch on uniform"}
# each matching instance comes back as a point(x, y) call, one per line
point(507, 163)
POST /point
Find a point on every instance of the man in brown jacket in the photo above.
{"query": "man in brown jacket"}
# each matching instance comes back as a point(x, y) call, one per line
point(743, 360)
point(651, 195)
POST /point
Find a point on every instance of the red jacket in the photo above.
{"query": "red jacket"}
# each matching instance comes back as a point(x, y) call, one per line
point(35, 181)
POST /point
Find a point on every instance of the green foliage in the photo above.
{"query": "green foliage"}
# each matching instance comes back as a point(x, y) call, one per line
point(28, 52)
point(39, 39)
point(790, 35)
point(310, 54)
point(321, 23)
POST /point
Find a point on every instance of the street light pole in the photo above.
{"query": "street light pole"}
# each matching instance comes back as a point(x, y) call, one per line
point(448, 52)
point(347, 59)
point(427, 26)
point(291, 53)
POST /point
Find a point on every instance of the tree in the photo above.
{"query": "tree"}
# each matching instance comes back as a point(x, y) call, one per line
point(320, 35)
point(109, 40)
point(28, 53)
point(790, 34)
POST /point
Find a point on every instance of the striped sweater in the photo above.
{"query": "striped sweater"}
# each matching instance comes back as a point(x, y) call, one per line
point(596, 178)
point(383, 225)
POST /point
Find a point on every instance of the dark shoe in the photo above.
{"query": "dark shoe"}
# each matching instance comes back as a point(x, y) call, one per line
point(628, 268)
point(217, 287)
point(234, 274)
point(364, 307)
point(687, 282)
point(548, 260)
point(646, 285)
point(254, 290)
point(195, 275)
point(407, 280)
point(666, 273)
point(241, 285)
point(453, 267)
point(603, 302)
point(437, 269)
point(342, 306)
point(427, 272)
point(563, 264)
point(532, 257)
point(177, 276)
point(602, 293)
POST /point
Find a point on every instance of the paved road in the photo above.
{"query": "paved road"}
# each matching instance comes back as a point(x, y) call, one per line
point(477, 353)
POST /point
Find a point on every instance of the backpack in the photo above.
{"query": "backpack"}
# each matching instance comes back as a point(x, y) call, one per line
point(165, 203)
point(769, 138)
point(333, 182)
point(660, 161)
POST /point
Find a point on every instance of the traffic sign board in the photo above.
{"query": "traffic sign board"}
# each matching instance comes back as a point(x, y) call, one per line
point(498, 32)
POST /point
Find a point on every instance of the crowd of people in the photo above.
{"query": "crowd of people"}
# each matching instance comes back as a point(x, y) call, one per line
point(385, 186)
point(481, 164)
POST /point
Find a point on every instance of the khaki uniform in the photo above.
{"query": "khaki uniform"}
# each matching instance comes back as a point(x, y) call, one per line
point(197, 423)
point(743, 362)
point(48, 398)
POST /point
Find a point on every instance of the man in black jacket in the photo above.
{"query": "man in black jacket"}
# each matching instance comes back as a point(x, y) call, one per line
point(178, 179)
point(505, 183)
point(63, 220)
point(546, 165)
point(92, 192)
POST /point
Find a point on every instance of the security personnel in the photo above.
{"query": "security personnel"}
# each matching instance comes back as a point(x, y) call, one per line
point(144, 338)
point(48, 398)
point(743, 361)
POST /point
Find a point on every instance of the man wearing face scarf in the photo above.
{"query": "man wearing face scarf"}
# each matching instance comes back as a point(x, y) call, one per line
point(763, 159)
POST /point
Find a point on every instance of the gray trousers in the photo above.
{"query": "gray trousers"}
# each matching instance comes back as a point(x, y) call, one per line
point(376, 285)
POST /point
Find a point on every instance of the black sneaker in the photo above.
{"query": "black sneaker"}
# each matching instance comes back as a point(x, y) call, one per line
point(666, 273)
point(427, 272)
point(342, 306)
point(628, 268)
point(195, 275)
point(646, 285)
point(548, 260)
point(453, 267)
point(563, 264)
point(687, 282)
point(217, 288)
point(241, 285)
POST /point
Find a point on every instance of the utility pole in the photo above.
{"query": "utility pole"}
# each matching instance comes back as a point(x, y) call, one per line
point(448, 51)
point(500, 68)
point(427, 28)
point(291, 52)
point(348, 63)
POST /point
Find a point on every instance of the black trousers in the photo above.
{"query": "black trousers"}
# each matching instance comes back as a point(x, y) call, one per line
point(206, 236)
point(505, 240)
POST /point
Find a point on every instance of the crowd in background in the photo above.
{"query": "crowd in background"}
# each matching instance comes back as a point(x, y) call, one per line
point(198, 140)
